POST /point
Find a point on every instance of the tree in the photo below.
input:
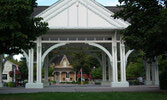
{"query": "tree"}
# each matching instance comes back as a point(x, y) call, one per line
point(23, 68)
point(18, 29)
point(86, 62)
point(136, 69)
point(96, 73)
point(147, 31)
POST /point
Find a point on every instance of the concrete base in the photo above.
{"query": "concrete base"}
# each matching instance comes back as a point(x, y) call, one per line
point(148, 82)
point(34, 85)
point(1, 85)
point(155, 83)
point(119, 84)
point(46, 84)
point(105, 83)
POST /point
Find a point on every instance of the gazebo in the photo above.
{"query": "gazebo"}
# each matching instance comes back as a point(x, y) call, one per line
point(83, 22)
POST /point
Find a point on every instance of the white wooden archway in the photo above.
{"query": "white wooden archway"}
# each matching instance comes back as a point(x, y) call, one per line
point(62, 44)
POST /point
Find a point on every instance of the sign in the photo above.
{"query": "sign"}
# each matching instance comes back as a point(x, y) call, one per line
point(4, 76)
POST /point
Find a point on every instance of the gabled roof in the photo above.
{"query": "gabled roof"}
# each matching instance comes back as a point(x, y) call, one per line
point(64, 57)
point(58, 59)
point(80, 14)
point(40, 9)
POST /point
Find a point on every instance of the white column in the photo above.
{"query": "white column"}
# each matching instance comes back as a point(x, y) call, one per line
point(148, 78)
point(30, 83)
point(123, 82)
point(75, 76)
point(104, 65)
point(156, 82)
point(60, 76)
point(109, 71)
point(39, 63)
point(30, 66)
point(114, 55)
point(121, 62)
point(124, 62)
point(38, 83)
point(46, 66)
point(1, 65)
point(153, 72)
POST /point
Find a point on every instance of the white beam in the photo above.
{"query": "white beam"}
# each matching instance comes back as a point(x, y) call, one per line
point(77, 41)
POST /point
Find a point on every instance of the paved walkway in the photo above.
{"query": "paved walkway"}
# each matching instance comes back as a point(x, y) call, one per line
point(79, 88)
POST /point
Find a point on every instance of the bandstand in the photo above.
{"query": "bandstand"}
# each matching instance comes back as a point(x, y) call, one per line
point(81, 22)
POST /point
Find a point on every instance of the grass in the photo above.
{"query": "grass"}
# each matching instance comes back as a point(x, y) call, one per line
point(86, 96)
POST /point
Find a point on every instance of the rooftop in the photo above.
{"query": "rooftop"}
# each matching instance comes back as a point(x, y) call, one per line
point(39, 9)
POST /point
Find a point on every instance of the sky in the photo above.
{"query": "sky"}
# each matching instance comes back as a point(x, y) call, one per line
point(50, 2)
point(103, 2)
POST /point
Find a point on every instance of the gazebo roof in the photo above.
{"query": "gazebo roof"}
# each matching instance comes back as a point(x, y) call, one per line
point(40, 9)
point(80, 14)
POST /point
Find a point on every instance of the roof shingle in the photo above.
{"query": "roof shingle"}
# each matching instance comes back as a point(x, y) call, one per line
point(39, 9)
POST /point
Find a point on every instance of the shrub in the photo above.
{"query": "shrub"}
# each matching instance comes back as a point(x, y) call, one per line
point(24, 83)
point(163, 80)
point(11, 84)
point(73, 82)
point(78, 82)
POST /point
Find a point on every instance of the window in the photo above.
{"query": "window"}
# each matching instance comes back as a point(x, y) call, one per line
point(67, 75)
point(4, 76)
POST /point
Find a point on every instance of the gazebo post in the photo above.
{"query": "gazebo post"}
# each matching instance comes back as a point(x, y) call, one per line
point(46, 66)
point(124, 82)
point(30, 83)
point(148, 77)
point(104, 81)
point(109, 71)
point(114, 61)
point(155, 72)
point(39, 63)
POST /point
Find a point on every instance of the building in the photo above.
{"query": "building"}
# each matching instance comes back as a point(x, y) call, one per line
point(63, 71)
point(8, 66)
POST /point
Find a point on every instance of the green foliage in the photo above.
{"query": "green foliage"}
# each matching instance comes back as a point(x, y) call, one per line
point(86, 62)
point(135, 65)
point(11, 84)
point(23, 69)
point(18, 29)
point(135, 69)
point(163, 80)
point(147, 31)
point(50, 71)
point(96, 73)
point(162, 63)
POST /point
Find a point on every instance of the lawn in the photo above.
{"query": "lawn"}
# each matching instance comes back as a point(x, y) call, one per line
point(85, 96)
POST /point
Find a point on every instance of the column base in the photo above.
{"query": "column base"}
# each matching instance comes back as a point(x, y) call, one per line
point(119, 84)
point(34, 85)
point(105, 83)
point(1, 84)
point(46, 84)
point(155, 83)
point(148, 82)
